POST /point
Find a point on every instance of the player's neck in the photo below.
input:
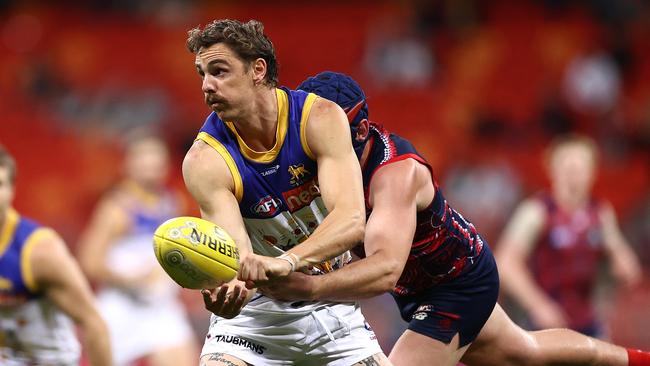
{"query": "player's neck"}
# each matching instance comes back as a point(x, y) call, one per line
point(3, 219)
point(364, 155)
point(258, 126)
point(568, 200)
point(144, 192)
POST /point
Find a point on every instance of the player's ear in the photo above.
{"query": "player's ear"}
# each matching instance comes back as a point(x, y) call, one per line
point(362, 130)
point(259, 71)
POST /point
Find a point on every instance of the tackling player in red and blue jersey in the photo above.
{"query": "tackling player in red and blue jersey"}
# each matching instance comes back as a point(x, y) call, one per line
point(440, 271)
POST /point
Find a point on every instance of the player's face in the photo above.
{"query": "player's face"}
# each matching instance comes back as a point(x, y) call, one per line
point(6, 190)
point(572, 168)
point(227, 81)
point(147, 162)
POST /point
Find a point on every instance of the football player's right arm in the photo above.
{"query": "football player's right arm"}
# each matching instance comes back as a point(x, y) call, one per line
point(57, 274)
point(107, 223)
point(210, 182)
point(394, 193)
point(512, 251)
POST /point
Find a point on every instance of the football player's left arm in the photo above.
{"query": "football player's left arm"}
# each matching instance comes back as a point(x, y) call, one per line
point(623, 261)
point(394, 194)
point(340, 183)
point(58, 276)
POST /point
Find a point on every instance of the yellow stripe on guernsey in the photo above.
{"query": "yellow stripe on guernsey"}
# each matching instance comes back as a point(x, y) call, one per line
point(146, 197)
point(25, 264)
point(239, 186)
point(306, 109)
point(280, 133)
point(8, 230)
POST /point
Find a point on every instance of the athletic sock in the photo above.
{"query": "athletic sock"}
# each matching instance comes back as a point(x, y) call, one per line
point(637, 357)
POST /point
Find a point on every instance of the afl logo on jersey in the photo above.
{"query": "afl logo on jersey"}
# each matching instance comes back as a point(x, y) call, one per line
point(266, 206)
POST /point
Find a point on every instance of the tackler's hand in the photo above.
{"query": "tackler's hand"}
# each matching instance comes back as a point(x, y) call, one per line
point(295, 287)
point(256, 270)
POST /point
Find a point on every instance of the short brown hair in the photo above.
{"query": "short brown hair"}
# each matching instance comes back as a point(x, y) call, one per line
point(571, 139)
point(247, 40)
point(138, 135)
point(7, 161)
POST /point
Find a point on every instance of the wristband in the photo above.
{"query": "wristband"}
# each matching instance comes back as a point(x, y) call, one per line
point(291, 258)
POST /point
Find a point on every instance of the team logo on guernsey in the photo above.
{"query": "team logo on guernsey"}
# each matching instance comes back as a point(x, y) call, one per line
point(266, 206)
point(298, 174)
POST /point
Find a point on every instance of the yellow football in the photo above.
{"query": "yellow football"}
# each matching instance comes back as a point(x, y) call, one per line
point(196, 253)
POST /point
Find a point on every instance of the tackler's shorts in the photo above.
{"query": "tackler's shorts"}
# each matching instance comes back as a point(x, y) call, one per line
point(461, 306)
point(269, 332)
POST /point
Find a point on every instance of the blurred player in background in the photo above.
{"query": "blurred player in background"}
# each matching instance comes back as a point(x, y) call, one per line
point(281, 177)
point(41, 290)
point(550, 252)
point(440, 271)
point(137, 299)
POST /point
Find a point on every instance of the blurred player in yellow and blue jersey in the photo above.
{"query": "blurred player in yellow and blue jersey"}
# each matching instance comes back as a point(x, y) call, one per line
point(138, 300)
point(42, 292)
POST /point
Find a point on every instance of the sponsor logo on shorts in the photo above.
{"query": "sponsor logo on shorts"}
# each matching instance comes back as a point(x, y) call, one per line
point(425, 308)
point(237, 341)
point(367, 326)
point(421, 312)
point(420, 315)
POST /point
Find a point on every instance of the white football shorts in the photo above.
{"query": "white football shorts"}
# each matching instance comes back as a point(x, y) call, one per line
point(139, 328)
point(269, 332)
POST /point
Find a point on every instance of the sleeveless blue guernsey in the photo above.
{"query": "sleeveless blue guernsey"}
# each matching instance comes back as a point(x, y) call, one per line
point(33, 331)
point(130, 252)
point(277, 190)
point(16, 282)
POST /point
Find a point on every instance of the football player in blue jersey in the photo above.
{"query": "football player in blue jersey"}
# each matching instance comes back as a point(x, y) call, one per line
point(439, 270)
point(42, 292)
point(275, 168)
point(135, 296)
